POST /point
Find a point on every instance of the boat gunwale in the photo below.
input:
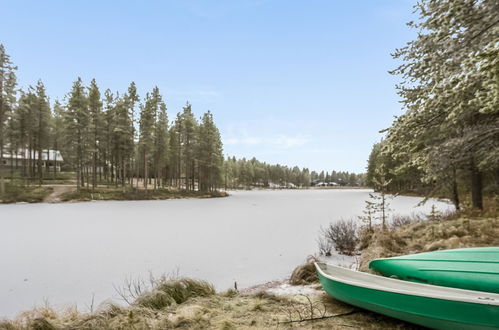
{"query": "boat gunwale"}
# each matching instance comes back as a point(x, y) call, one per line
point(434, 260)
point(413, 256)
point(366, 284)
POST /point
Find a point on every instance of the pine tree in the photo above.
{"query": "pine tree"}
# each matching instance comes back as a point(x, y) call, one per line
point(369, 213)
point(147, 120)
point(449, 92)
point(95, 112)
point(209, 154)
point(42, 113)
point(175, 151)
point(160, 144)
point(132, 99)
point(107, 137)
point(23, 119)
point(77, 123)
point(123, 143)
point(7, 100)
point(57, 131)
point(188, 142)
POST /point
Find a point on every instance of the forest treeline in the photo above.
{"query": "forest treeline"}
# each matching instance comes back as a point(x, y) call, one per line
point(119, 139)
point(447, 141)
point(101, 140)
point(253, 173)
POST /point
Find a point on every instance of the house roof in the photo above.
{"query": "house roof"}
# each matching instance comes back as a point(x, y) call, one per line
point(24, 154)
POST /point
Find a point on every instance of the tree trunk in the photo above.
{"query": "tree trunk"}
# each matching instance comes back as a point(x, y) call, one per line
point(455, 193)
point(123, 171)
point(78, 175)
point(11, 159)
point(145, 170)
point(55, 160)
point(476, 189)
point(94, 169)
point(2, 183)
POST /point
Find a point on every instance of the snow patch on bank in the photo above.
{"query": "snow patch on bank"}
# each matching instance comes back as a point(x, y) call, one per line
point(341, 260)
point(285, 289)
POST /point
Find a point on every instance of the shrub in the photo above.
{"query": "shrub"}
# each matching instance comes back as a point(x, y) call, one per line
point(403, 220)
point(343, 236)
point(170, 292)
point(304, 274)
point(21, 193)
point(325, 245)
point(7, 325)
point(365, 236)
point(41, 324)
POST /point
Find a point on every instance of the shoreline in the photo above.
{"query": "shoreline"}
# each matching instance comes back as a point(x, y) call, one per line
point(65, 193)
point(58, 193)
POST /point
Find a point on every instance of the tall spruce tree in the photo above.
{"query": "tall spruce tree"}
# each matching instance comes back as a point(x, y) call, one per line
point(209, 154)
point(77, 123)
point(188, 140)
point(160, 144)
point(107, 136)
point(131, 101)
point(58, 130)
point(25, 126)
point(175, 151)
point(147, 121)
point(96, 124)
point(7, 101)
point(123, 143)
point(42, 118)
point(449, 90)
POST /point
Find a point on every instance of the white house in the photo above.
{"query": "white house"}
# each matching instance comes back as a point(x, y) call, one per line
point(50, 159)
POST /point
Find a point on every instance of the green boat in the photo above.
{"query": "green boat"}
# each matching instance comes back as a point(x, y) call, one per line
point(471, 269)
point(432, 306)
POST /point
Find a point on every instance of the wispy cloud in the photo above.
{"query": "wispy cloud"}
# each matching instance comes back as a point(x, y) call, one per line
point(195, 95)
point(282, 141)
point(218, 9)
point(210, 93)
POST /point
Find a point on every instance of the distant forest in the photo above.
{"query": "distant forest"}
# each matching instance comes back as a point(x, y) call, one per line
point(447, 141)
point(253, 173)
point(120, 139)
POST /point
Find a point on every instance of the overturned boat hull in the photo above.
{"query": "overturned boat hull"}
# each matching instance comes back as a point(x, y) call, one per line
point(471, 268)
point(428, 305)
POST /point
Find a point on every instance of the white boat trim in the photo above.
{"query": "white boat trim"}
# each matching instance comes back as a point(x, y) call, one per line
point(381, 283)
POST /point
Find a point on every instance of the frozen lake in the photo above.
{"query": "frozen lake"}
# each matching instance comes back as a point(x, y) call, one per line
point(66, 253)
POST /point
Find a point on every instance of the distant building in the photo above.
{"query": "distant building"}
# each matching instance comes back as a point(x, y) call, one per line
point(50, 159)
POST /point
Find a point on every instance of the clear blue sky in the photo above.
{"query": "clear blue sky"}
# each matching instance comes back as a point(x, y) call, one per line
point(292, 82)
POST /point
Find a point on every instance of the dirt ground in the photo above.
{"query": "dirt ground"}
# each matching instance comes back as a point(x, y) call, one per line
point(58, 191)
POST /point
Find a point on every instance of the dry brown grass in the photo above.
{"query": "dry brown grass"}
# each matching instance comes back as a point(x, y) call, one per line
point(218, 311)
point(427, 236)
point(305, 274)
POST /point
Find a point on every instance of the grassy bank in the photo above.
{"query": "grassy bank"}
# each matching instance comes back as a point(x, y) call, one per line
point(21, 193)
point(190, 304)
point(425, 236)
point(87, 194)
point(48, 178)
